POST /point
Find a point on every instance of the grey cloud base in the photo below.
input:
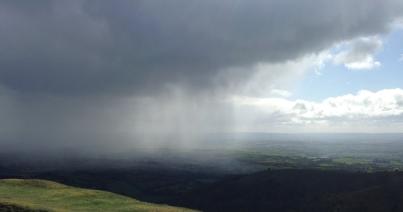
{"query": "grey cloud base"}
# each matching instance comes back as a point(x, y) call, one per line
point(125, 47)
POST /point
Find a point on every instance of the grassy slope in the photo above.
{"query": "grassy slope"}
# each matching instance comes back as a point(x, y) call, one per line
point(51, 196)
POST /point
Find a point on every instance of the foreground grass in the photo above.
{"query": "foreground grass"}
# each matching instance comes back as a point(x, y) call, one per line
point(42, 195)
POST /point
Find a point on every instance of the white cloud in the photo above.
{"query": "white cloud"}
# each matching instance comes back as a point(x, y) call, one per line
point(365, 64)
point(280, 93)
point(401, 58)
point(360, 54)
point(365, 109)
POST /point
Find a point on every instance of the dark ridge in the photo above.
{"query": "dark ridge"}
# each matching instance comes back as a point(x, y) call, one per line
point(13, 208)
point(302, 190)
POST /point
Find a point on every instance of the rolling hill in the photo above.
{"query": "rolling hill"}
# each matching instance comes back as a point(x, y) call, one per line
point(43, 195)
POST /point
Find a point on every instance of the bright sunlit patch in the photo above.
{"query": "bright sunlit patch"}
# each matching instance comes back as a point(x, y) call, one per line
point(365, 106)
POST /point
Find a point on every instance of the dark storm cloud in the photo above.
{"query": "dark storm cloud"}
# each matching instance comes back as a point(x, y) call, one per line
point(100, 75)
point(126, 47)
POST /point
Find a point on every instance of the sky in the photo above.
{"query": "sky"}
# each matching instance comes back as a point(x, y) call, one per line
point(78, 74)
point(387, 75)
point(367, 92)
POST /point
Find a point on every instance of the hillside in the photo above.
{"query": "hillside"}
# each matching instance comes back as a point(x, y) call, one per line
point(43, 195)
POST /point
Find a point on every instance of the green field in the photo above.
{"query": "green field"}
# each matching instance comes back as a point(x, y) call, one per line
point(42, 195)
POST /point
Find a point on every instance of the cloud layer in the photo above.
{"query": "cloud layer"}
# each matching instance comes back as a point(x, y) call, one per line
point(364, 108)
point(93, 47)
